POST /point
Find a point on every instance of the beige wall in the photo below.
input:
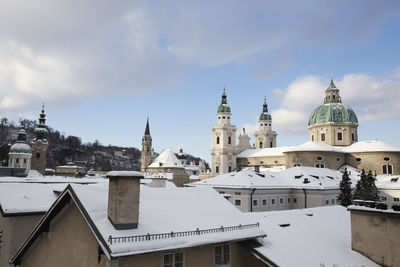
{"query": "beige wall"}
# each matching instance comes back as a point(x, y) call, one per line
point(194, 257)
point(331, 160)
point(376, 234)
point(15, 230)
point(331, 131)
point(268, 161)
point(179, 175)
point(374, 161)
point(69, 242)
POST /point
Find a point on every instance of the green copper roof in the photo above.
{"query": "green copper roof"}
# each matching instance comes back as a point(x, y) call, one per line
point(332, 86)
point(41, 131)
point(332, 113)
point(264, 115)
point(223, 107)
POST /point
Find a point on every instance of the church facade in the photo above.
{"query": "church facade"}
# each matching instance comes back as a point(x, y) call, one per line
point(333, 143)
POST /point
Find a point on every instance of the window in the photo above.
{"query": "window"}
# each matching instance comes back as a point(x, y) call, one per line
point(223, 117)
point(173, 260)
point(24, 161)
point(288, 200)
point(281, 201)
point(222, 192)
point(387, 169)
point(320, 158)
point(273, 201)
point(1, 240)
point(297, 165)
point(294, 200)
point(353, 138)
point(229, 140)
point(386, 159)
point(270, 144)
point(217, 140)
point(238, 202)
point(327, 201)
point(312, 137)
point(238, 193)
point(17, 160)
point(229, 168)
point(333, 96)
point(222, 254)
point(255, 202)
point(37, 155)
point(333, 201)
point(322, 137)
point(396, 199)
point(217, 169)
point(319, 165)
point(339, 136)
point(261, 145)
point(383, 199)
point(264, 202)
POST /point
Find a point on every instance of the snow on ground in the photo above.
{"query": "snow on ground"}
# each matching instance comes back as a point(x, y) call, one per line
point(314, 237)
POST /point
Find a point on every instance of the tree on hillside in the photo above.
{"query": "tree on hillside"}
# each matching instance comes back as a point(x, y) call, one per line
point(366, 188)
point(345, 196)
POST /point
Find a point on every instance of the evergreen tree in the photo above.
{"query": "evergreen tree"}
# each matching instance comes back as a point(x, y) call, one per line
point(366, 188)
point(345, 196)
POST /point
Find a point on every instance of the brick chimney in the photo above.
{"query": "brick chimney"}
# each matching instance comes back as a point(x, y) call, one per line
point(123, 199)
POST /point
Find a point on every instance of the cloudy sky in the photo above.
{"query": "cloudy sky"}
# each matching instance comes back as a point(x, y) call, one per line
point(102, 66)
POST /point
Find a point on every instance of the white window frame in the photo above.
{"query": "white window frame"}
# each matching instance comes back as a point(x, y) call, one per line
point(266, 202)
point(255, 202)
point(281, 202)
point(234, 202)
point(223, 254)
point(273, 201)
point(173, 258)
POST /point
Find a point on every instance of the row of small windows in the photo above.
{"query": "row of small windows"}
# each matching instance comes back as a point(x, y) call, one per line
point(265, 124)
point(224, 117)
point(395, 199)
point(17, 160)
point(264, 201)
point(339, 137)
point(217, 169)
point(229, 140)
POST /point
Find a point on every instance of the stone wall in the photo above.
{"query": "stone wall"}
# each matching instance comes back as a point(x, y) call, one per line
point(331, 160)
point(376, 234)
point(331, 133)
point(374, 161)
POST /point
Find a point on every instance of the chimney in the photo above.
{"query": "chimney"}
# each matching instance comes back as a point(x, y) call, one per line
point(123, 199)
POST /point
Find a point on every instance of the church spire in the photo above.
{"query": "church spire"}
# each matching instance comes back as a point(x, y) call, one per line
point(40, 131)
point(264, 115)
point(224, 108)
point(147, 130)
point(332, 93)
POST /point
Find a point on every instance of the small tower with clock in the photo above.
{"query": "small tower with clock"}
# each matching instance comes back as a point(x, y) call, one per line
point(223, 150)
point(40, 145)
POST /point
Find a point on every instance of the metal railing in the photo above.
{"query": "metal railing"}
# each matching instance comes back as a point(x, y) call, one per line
point(148, 237)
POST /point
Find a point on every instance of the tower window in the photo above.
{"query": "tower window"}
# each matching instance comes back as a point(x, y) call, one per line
point(24, 161)
point(229, 168)
point(217, 140)
point(37, 155)
point(333, 96)
point(339, 136)
point(229, 140)
point(17, 160)
point(353, 138)
point(270, 144)
point(323, 137)
point(261, 145)
point(312, 138)
point(217, 169)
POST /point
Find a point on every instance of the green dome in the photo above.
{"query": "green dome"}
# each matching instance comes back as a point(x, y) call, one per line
point(224, 108)
point(332, 113)
point(265, 116)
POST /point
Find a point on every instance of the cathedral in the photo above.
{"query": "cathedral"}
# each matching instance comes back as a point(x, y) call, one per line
point(333, 142)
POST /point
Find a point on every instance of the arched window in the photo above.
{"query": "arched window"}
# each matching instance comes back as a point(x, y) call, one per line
point(229, 140)
point(387, 169)
point(261, 145)
point(270, 144)
point(217, 140)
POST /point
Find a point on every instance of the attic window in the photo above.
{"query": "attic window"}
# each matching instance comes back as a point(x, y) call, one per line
point(320, 158)
point(315, 176)
point(310, 214)
point(386, 159)
point(284, 225)
point(358, 159)
point(298, 176)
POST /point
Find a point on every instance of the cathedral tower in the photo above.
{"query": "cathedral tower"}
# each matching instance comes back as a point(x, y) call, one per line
point(265, 137)
point(146, 148)
point(223, 150)
point(333, 122)
point(40, 145)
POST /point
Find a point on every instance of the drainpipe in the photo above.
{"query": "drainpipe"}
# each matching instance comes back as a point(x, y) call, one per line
point(305, 198)
point(251, 200)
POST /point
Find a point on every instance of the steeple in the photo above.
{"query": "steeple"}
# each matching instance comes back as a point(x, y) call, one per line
point(332, 93)
point(40, 131)
point(21, 135)
point(223, 107)
point(40, 144)
point(147, 131)
point(264, 115)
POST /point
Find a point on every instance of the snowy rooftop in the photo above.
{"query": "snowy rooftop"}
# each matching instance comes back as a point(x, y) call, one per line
point(51, 180)
point(370, 146)
point(166, 159)
point(16, 198)
point(313, 146)
point(313, 237)
point(319, 178)
point(263, 152)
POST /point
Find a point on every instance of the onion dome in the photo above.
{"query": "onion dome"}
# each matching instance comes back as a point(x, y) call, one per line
point(224, 108)
point(21, 146)
point(41, 131)
point(264, 115)
point(332, 111)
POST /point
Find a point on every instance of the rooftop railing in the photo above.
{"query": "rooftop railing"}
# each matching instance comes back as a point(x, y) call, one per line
point(148, 237)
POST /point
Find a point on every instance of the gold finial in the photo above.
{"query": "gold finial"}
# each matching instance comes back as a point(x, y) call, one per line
point(331, 76)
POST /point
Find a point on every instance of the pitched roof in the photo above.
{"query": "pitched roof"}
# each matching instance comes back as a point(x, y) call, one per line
point(314, 146)
point(162, 210)
point(370, 146)
point(166, 159)
point(264, 152)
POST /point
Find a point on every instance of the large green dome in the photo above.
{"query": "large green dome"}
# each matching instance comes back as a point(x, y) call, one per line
point(332, 113)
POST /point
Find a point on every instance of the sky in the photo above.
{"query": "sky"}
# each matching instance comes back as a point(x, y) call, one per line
point(101, 67)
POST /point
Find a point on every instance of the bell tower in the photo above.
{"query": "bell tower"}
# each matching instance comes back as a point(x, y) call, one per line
point(265, 137)
point(223, 149)
point(146, 148)
point(40, 145)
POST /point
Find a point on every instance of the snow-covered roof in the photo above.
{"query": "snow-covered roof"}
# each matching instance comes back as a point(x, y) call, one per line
point(263, 152)
point(166, 159)
point(162, 210)
point(313, 237)
point(52, 180)
point(17, 198)
point(370, 146)
point(314, 146)
point(318, 178)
